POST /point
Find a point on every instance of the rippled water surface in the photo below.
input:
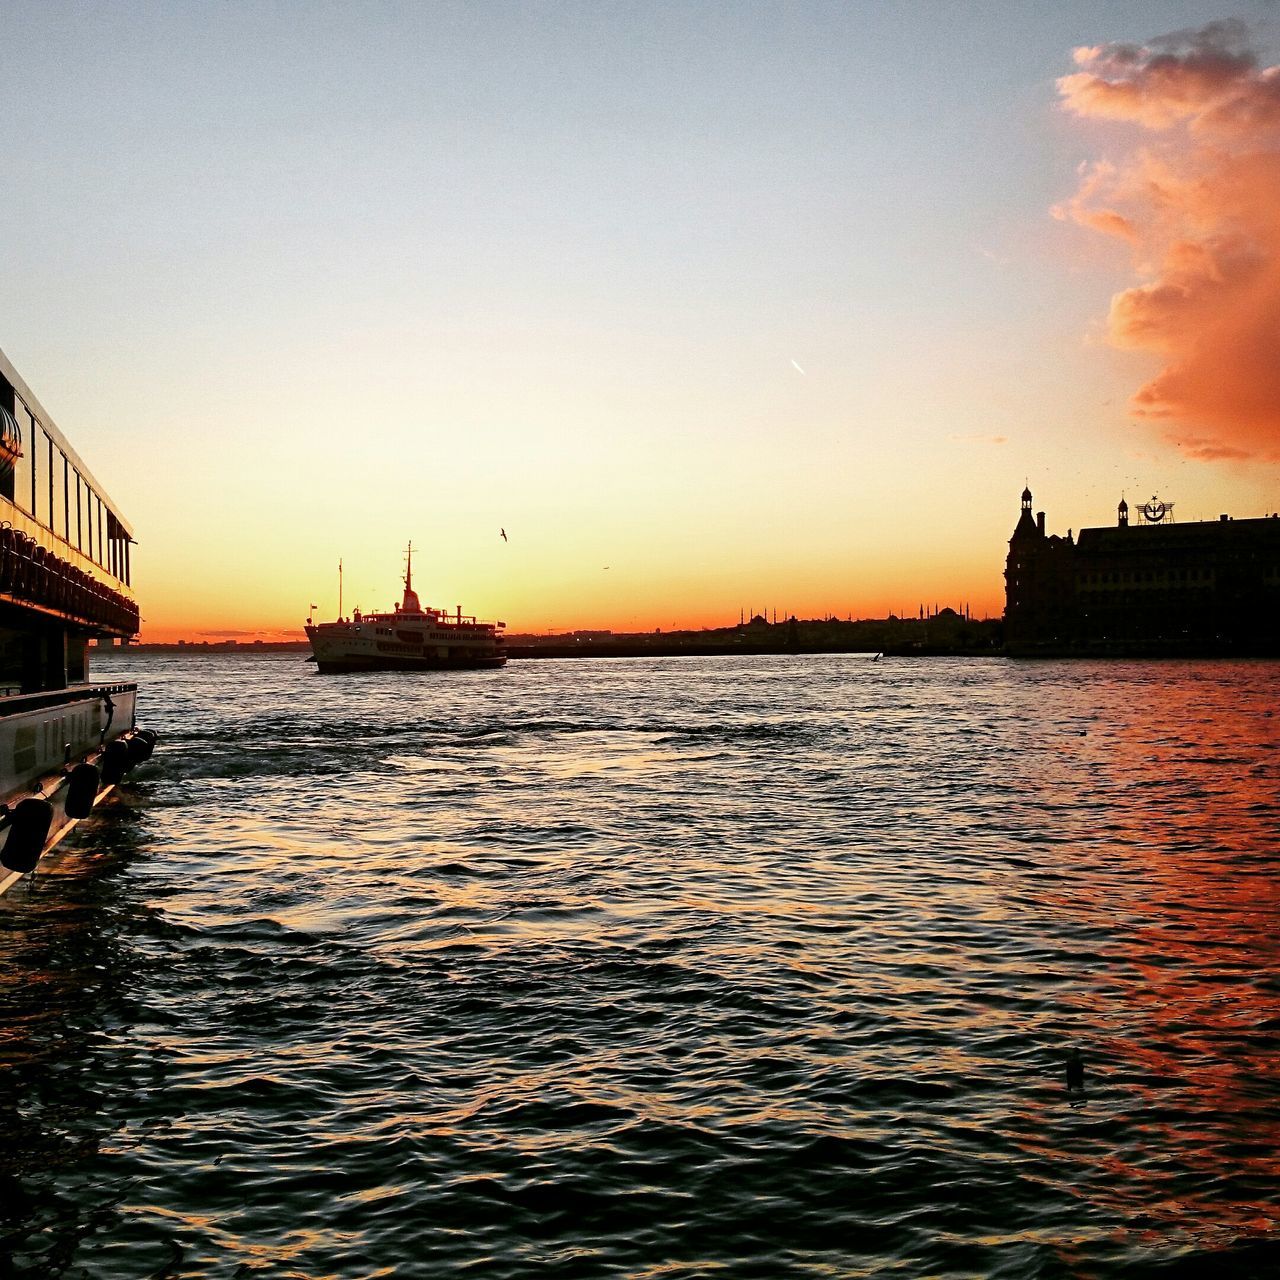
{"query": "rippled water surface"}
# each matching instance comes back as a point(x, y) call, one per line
point(660, 968)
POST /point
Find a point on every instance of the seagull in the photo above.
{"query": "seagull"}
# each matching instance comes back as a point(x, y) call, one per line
point(797, 368)
point(503, 532)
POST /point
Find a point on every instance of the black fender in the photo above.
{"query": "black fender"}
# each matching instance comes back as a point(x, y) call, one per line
point(82, 789)
point(29, 823)
point(115, 762)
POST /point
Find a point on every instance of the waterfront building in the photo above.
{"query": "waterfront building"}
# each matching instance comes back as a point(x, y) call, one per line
point(65, 580)
point(1148, 587)
point(65, 551)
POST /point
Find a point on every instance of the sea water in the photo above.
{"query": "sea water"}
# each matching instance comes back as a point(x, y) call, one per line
point(753, 967)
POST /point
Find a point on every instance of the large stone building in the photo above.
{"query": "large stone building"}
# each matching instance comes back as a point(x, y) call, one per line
point(1151, 587)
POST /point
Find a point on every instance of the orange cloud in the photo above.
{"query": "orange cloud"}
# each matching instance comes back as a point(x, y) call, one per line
point(1080, 208)
point(1206, 77)
point(1200, 203)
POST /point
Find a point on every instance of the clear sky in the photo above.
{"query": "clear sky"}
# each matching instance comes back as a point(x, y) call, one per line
point(758, 305)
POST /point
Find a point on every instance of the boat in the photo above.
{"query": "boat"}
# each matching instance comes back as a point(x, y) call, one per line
point(411, 638)
point(66, 741)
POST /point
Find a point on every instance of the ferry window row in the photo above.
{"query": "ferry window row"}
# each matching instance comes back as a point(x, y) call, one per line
point(47, 485)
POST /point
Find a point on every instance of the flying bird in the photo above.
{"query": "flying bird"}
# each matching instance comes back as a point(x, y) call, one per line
point(797, 368)
point(503, 532)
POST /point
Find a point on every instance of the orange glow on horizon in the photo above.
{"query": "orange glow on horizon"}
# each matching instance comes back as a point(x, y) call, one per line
point(279, 631)
point(693, 569)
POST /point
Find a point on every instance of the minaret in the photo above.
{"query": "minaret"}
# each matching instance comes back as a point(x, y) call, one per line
point(1123, 511)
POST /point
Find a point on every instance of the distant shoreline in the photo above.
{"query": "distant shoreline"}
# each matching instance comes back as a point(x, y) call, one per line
point(715, 645)
point(946, 633)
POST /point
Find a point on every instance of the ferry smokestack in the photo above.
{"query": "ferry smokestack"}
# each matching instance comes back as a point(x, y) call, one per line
point(1040, 522)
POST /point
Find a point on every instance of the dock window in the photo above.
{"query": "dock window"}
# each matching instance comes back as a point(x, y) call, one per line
point(117, 549)
point(10, 442)
point(82, 513)
point(61, 506)
point(25, 471)
point(42, 495)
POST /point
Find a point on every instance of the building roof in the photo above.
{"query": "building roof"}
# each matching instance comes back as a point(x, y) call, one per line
point(1195, 535)
point(28, 398)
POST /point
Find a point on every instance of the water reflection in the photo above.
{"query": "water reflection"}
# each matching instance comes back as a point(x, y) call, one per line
point(69, 974)
point(1175, 876)
point(760, 968)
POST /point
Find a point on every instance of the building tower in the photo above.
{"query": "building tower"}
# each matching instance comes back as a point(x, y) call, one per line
point(1039, 584)
point(1026, 527)
point(1123, 510)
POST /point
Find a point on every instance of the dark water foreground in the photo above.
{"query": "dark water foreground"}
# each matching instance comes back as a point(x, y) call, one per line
point(661, 969)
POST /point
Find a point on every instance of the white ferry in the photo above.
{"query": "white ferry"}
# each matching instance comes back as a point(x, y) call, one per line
point(409, 639)
point(65, 567)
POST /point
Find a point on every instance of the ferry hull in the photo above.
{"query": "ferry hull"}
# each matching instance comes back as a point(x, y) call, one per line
point(41, 736)
point(338, 666)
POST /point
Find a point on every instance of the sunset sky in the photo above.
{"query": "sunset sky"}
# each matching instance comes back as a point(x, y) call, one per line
point(758, 305)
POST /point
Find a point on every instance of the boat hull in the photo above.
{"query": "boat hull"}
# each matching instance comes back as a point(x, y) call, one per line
point(339, 666)
point(42, 736)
